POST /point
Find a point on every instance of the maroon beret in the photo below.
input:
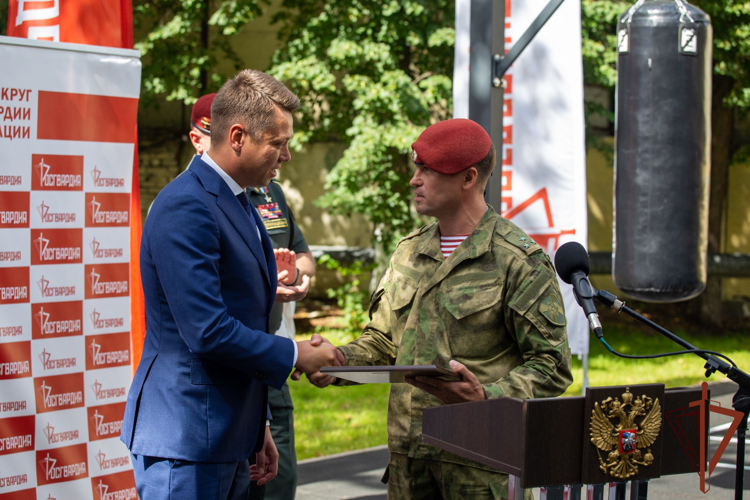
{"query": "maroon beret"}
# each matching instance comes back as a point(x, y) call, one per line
point(451, 146)
point(200, 118)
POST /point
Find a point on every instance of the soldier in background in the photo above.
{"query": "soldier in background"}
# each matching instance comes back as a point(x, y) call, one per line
point(472, 292)
point(293, 257)
point(296, 265)
point(200, 124)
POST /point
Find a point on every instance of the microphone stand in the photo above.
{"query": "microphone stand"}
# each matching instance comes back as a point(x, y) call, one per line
point(741, 399)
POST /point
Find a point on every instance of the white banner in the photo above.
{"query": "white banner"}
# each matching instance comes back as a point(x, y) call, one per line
point(543, 151)
point(67, 123)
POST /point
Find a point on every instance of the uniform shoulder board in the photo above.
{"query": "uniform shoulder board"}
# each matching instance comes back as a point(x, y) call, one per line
point(414, 233)
point(516, 237)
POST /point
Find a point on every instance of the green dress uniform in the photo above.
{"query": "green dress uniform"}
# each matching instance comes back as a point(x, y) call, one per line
point(494, 305)
point(284, 232)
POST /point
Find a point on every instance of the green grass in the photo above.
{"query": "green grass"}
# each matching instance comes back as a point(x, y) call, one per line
point(338, 419)
point(675, 371)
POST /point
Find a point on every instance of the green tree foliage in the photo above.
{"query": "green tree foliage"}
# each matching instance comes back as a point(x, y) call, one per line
point(352, 297)
point(371, 74)
point(3, 17)
point(183, 40)
point(731, 25)
point(598, 22)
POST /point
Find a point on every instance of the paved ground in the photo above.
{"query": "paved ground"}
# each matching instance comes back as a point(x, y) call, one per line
point(356, 475)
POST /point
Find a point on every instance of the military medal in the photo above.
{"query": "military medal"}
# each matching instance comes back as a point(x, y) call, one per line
point(270, 211)
point(264, 191)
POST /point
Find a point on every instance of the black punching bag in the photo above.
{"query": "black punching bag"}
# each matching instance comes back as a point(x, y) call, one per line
point(662, 151)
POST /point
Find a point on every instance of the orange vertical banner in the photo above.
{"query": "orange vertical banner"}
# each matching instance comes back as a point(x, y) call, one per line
point(137, 302)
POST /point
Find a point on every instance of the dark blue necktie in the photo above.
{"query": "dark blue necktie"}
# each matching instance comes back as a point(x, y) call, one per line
point(245, 202)
point(249, 208)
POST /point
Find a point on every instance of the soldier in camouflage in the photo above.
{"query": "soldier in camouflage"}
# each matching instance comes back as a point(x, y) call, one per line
point(491, 310)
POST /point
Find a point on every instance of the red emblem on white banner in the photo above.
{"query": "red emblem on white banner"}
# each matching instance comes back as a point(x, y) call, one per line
point(21, 495)
point(14, 285)
point(120, 485)
point(105, 421)
point(107, 280)
point(546, 237)
point(56, 173)
point(57, 319)
point(107, 209)
point(15, 360)
point(107, 351)
point(62, 464)
point(14, 209)
point(16, 435)
point(56, 246)
point(58, 392)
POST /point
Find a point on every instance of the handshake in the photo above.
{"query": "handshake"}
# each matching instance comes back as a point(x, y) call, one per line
point(314, 354)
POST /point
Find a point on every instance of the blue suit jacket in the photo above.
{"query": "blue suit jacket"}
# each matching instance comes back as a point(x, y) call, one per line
point(200, 392)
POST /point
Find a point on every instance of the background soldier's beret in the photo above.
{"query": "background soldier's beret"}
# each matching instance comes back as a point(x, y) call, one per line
point(451, 146)
point(200, 118)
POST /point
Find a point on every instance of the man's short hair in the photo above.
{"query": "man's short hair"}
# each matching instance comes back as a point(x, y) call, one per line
point(250, 99)
point(486, 165)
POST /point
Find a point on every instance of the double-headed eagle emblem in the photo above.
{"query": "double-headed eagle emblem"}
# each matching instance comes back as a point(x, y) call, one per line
point(624, 440)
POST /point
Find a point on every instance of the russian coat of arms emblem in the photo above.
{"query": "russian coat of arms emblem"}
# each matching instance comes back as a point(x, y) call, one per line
point(622, 429)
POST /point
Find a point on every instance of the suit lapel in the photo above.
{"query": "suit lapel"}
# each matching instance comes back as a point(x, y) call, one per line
point(248, 226)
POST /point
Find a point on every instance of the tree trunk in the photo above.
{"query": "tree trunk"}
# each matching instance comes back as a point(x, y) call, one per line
point(204, 45)
point(722, 124)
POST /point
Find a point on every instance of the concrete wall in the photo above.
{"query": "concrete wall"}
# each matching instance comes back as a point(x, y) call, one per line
point(737, 237)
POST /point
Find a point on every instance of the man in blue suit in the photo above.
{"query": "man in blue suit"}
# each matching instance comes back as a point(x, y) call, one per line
point(197, 407)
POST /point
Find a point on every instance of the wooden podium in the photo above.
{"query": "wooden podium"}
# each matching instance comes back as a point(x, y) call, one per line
point(548, 442)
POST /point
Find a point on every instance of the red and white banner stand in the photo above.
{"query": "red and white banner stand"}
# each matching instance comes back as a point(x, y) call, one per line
point(67, 139)
point(108, 23)
point(543, 151)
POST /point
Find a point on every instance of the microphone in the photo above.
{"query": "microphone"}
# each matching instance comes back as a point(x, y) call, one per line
point(572, 264)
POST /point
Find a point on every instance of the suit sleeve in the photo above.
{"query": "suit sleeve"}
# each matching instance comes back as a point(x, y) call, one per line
point(185, 246)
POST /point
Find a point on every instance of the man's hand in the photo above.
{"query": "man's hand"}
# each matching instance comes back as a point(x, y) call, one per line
point(314, 354)
point(289, 293)
point(468, 389)
point(318, 379)
point(286, 261)
point(266, 461)
point(321, 380)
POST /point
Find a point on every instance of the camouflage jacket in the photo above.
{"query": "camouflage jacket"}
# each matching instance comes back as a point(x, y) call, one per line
point(494, 305)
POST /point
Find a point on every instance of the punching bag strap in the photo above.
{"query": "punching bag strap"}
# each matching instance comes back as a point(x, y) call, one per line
point(633, 9)
point(683, 11)
point(680, 6)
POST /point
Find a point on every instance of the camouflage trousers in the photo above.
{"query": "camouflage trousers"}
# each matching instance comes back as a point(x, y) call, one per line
point(413, 479)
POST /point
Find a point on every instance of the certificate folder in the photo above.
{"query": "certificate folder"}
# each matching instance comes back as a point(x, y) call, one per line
point(388, 374)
